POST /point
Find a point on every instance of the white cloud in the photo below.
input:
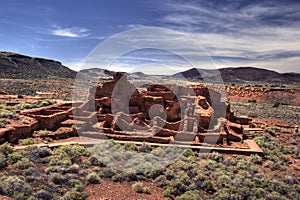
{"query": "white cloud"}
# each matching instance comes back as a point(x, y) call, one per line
point(72, 32)
point(262, 34)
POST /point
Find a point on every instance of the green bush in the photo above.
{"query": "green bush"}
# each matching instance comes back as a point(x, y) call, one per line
point(15, 157)
point(3, 161)
point(44, 195)
point(129, 146)
point(27, 141)
point(189, 195)
point(73, 152)
point(75, 195)
point(57, 178)
point(146, 190)
point(43, 132)
point(76, 185)
point(23, 163)
point(6, 149)
point(14, 187)
point(276, 104)
point(93, 178)
point(137, 187)
point(130, 175)
point(208, 186)
point(73, 169)
point(256, 159)
point(188, 153)
point(252, 115)
point(168, 192)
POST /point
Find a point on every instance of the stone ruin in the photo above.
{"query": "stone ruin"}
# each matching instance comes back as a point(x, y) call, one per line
point(118, 110)
point(160, 113)
point(48, 119)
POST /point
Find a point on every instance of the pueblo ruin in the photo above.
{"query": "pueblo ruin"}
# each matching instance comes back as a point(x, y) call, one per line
point(167, 114)
point(160, 113)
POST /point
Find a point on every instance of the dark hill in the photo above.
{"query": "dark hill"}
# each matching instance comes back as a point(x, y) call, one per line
point(17, 66)
point(240, 75)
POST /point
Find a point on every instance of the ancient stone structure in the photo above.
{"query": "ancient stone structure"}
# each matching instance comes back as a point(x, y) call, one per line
point(45, 118)
point(117, 109)
point(161, 113)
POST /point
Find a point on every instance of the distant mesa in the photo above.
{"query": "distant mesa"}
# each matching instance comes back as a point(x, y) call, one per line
point(17, 66)
point(240, 75)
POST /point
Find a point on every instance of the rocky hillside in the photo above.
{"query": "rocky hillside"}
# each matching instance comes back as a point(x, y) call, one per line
point(17, 66)
point(240, 75)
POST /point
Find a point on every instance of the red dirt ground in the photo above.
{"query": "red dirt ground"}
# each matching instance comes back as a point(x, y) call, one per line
point(109, 190)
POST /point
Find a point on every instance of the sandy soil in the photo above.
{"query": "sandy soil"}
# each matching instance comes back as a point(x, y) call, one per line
point(109, 190)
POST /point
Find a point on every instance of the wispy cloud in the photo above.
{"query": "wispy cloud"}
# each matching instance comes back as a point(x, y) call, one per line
point(72, 32)
point(237, 33)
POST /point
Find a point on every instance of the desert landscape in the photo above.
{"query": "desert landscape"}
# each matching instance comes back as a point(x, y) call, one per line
point(158, 141)
point(149, 100)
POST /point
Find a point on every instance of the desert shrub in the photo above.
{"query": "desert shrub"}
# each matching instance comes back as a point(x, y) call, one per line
point(44, 195)
point(276, 104)
point(109, 172)
point(73, 152)
point(60, 160)
point(93, 178)
point(3, 161)
point(14, 157)
point(188, 153)
point(73, 169)
point(271, 131)
point(223, 181)
point(44, 103)
point(129, 146)
point(229, 162)
point(2, 125)
point(168, 192)
point(43, 132)
point(216, 157)
point(52, 169)
point(252, 115)
point(189, 195)
point(297, 168)
point(137, 187)
point(99, 161)
point(57, 178)
point(48, 139)
point(27, 141)
point(6, 149)
point(74, 195)
point(4, 121)
point(76, 185)
point(118, 178)
point(146, 148)
point(161, 181)
point(256, 159)
point(14, 187)
point(208, 186)
point(38, 154)
point(130, 175)
point(146, 190)
point(290, 179)
point(25, 106)
point(23, 163)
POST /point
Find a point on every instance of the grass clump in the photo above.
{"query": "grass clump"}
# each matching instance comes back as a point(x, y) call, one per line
point(138, 187)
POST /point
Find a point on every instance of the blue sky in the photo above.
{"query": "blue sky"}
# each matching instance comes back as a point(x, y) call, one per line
point(264, 34)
